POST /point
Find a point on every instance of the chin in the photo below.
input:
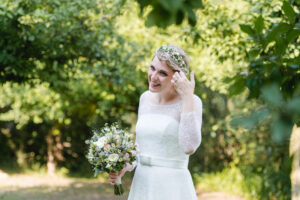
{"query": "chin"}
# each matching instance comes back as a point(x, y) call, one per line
point(152, 90)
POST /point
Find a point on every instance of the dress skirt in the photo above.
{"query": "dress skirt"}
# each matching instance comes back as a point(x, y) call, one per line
point(155, 180)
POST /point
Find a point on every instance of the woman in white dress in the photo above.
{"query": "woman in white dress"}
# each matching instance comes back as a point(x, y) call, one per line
point(168, 130)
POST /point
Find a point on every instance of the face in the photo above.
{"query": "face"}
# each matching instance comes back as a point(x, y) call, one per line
point(160, 76)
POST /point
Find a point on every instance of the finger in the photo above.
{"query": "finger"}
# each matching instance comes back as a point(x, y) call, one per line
point(182, 74)
point(120, 172)
point(176, 75)
point(113, 177)
point(175, 78)
point(179, 74)
point(113, 180)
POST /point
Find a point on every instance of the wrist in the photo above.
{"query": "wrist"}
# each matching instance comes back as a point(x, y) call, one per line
point(187, 97)
point(188, 104)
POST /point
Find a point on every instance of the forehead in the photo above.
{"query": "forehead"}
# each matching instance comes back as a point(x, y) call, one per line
point(160, 65)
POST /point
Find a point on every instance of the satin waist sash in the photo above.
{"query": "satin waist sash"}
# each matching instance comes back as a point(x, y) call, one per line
point(162, 162)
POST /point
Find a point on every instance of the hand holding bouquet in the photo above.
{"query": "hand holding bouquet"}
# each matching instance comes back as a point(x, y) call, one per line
point(110, 149)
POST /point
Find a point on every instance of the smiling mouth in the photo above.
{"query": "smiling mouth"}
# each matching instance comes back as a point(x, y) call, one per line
point(155, 84)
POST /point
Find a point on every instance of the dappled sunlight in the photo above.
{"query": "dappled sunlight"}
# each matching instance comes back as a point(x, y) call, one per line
point(39, 187)
point(68, 67)
point(36, 187)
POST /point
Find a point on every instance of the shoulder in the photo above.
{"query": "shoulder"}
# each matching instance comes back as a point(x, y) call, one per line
point(143, 95)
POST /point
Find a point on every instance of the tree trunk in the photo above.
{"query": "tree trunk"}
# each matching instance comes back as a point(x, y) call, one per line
point(51, 164)
point(54, 149)
point(295, 151)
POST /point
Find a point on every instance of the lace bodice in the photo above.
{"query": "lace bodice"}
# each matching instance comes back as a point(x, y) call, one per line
point(164, 131)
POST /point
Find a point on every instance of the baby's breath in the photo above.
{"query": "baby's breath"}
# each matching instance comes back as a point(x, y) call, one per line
point(107, 148)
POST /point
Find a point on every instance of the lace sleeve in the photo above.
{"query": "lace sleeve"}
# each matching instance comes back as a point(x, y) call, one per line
point(190, 128)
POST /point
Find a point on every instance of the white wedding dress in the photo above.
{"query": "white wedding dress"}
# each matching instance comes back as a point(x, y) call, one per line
point(165, 138)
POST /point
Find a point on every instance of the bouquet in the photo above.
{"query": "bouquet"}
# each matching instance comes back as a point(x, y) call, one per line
point(110, 149)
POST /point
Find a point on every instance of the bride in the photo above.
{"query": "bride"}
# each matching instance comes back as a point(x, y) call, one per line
point(168, 130)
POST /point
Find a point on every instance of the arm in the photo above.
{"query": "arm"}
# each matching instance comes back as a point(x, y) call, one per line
point(191, 116)
point(190, 124)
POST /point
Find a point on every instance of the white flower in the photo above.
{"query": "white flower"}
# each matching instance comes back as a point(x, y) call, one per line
point(113, 157)
point(100, 143)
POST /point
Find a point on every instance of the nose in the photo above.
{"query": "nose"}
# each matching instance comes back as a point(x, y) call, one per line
point(154, 76)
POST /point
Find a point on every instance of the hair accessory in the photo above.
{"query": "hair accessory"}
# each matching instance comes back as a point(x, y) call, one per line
point(173, 58)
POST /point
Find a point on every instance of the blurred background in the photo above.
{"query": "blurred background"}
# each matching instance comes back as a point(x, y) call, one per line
point(67, 67)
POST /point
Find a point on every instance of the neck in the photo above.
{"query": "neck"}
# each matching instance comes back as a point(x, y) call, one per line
point(164, 98)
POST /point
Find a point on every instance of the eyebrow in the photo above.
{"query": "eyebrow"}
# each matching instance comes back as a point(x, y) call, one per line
point(160, 70)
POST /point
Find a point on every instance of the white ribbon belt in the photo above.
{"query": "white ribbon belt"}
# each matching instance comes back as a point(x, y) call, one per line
point(163, 162)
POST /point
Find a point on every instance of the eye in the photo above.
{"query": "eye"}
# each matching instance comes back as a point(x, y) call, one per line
point(164, 73)
point(152, 68)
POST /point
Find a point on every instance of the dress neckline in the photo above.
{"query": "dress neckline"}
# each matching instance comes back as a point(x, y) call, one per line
point(161, 105)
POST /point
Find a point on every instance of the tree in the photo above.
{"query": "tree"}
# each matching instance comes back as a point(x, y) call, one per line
point(273, 76)
point(165, 13)
point(63, 64)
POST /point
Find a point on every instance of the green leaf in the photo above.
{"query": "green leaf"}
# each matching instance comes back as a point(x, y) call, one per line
point(294, 105)
point(143, 4)
point(294, 66)
point(228, 79)
point(289, 11)
point(272, 95)
point(245, 122)
point(292, 35)
point(171, 5)
point(238, 86)
point(179, 17)
point(259, 24)
point(252, 120)
point(277, 30)
point(31, 38)
point(254, 52)
point(155, 17)
point(192, 19)
point(280, 47)
point(196, 3)
point(247, 29)
point(280, 129)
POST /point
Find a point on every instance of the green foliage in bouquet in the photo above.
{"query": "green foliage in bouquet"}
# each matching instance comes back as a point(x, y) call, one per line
point(110, 150)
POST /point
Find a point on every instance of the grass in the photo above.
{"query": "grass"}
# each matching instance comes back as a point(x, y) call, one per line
point(40, 187)
point(35, 184)
point(232, 181)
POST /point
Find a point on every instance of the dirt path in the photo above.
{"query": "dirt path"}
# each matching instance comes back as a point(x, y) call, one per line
point(217, 196)
point(25, 187)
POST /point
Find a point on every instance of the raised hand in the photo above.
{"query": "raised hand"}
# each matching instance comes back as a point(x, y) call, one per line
point(182, 85)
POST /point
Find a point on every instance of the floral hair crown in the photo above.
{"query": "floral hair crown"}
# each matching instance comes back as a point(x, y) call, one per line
point(173, 58)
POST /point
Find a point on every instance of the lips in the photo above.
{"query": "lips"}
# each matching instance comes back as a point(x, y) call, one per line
point(155, 84)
